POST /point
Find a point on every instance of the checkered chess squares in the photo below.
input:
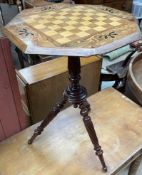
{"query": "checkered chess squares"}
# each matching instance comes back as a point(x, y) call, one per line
point(71, 24)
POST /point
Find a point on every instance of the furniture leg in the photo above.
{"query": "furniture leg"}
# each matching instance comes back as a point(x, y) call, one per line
point(85, 109)
point(48, 119)
point(76, 95)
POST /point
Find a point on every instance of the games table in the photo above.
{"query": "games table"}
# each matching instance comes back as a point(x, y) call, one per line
point(73, 31)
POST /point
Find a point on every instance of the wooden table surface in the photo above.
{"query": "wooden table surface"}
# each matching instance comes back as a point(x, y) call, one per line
point(75, 30)
point(64, 147)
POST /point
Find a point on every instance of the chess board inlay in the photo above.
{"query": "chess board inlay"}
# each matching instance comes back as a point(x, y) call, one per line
point(80, 27)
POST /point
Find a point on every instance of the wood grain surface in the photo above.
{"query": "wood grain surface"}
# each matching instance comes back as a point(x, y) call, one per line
point(71, 30)
point(64, 147)
point(50, 68)
point(41, 86)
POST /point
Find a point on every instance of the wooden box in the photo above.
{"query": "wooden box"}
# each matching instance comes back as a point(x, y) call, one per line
point(42, 85)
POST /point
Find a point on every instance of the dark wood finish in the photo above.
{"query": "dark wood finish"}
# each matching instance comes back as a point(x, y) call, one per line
point(76, 95)
point(48, 119)
point(75, 92)
point(85, 109)
point(125, 5)
point(37, 84)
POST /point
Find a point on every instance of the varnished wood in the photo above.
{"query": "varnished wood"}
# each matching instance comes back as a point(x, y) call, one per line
point(51, 68)
point(76, 95)
point(65, 29)
point(85, 109)
point(75, 92)
point(40, 85)
point(51, 115)
point(64, 147)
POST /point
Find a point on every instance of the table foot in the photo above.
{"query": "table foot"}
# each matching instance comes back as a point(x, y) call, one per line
point(47, 120)
point(85, 109)
point(76, 95)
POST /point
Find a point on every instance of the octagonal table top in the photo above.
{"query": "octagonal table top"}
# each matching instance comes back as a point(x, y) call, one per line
point(72, 30)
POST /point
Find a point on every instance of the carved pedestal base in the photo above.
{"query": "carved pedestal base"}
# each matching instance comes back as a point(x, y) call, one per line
point(76, 95)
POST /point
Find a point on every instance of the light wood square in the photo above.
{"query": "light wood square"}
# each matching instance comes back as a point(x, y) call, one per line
point(88, 14)
point(68, 28)
point(84, 28)
point(57, 21)
point(85, 23)
point(99, 28)
point(49, 13)
point(100, 23)
point(54, 27)
point(71, 22)
point(73, 18)
point(63, 40)
point(115, 23)
point(87, 18)
point(66, 34)
point(101, 18)
point(50, 33)
point(60, 17)
point(75, 14)
point(62, 13)
point(82, 34)
point(40, 26)
point(31, 20)
point(115, 19)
